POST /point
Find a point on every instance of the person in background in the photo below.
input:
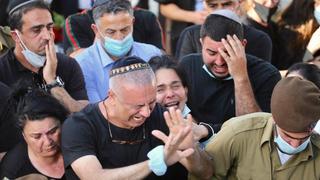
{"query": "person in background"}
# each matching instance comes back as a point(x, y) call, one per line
point(183, 13)
point(259, 43)
point(113, 29)
point(79, 35)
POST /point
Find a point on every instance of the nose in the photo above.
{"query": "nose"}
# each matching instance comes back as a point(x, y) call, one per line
point(169, 93)
point(219, 60)
point(46, 34)
point(295, 143)
point(119, 36)
point(47, 140)
point(145, 111)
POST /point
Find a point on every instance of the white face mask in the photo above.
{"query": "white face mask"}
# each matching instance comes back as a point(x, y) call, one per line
point(317, 14)
point(34, 59)
point(283, 4)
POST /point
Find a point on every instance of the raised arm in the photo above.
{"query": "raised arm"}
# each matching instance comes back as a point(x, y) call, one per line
point(237, 64)
point(49, 75)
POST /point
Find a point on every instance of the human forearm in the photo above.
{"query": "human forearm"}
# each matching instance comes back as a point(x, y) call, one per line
point(173, 12)
point(244, 97)
point(198, 164)
point(72, 105)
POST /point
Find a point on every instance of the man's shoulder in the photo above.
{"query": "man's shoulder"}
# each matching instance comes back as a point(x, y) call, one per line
point(192, 59)
point(247, 122)
point(145, 50)
point(86, 116)
point(256, 65)
point(192, 29)
point(79, 18)
point(90, 52)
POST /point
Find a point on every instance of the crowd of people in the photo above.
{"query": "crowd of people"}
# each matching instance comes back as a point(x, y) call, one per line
point(237, 98)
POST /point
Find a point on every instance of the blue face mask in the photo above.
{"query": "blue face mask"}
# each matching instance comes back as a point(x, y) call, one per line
point(118, 48)
point(287, 148)
point(317, 14)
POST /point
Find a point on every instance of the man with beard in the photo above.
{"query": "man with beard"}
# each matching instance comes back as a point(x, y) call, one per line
point(223, 81)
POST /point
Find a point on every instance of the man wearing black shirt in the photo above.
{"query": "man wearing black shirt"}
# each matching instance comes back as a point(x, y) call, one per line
point(112, 138)
point(34, 57)
point(259, 43)
point(223, 81)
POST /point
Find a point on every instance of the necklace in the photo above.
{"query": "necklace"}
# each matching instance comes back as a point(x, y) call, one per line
point(123, 141)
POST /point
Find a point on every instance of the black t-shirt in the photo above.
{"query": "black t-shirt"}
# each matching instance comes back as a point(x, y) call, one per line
point(87, 133)
point(68, 69)
point(78, 34)
point(213, 101)
point(16, 163)
point(12, 71)
point(178, 26)
point(259, 43)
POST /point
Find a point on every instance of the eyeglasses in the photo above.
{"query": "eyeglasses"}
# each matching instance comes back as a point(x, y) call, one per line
point(123, 141)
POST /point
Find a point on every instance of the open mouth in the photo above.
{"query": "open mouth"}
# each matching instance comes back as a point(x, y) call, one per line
point(172, 104)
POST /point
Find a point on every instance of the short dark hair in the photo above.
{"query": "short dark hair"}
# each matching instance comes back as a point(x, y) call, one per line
point(111, 6)
point(35, 104)
point(309, 72)
point(168, 62)
point(15, 17)
point(217, 27)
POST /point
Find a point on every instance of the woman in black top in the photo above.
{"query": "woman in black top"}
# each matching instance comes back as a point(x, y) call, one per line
point(39, 117)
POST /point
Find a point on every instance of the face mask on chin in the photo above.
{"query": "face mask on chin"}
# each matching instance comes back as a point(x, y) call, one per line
point(118, 48)
point(34, 59)
point(263, 12)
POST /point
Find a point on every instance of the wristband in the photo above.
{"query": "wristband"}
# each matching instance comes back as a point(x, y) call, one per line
point(156, 162)
point(210, 131)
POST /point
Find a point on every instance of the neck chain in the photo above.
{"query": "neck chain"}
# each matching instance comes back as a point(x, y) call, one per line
point(122, 141)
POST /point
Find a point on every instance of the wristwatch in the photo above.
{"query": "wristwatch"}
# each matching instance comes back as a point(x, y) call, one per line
point(56, 83)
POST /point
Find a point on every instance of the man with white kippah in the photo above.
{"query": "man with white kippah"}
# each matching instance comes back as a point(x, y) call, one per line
point(114, 138)
point(223, 81)
point(259, 43)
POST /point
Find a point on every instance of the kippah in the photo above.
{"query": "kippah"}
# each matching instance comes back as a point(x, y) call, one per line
point(16, 4)
point(228, 14)
point(128, 64)
point(295, 104)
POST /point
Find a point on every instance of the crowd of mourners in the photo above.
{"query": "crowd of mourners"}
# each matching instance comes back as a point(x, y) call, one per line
point(205, 89)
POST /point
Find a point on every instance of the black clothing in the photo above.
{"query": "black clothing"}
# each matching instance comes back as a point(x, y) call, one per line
point(7, 121)
point(12, 71)
point(259, 44)
point(68, 69)
point(87, 133)
point(16, 163)
point(213, 101)
point(178, 26)
point(77, 32)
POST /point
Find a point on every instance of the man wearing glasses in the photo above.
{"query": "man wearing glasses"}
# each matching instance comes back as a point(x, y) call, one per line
point(280, 145)
point(112, 139)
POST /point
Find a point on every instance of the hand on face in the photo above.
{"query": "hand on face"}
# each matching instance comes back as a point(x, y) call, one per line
point(49, 70)
point(235, 57)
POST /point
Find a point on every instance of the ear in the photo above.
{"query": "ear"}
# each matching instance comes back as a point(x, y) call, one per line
point(15, 36)
point(111, 96)
point(133, 20)
point(244, 42)
point(96, 31)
